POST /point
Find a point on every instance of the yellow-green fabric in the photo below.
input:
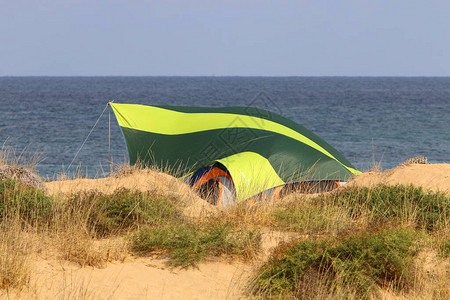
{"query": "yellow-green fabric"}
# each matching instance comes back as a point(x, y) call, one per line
point(259, 149)
point(251, 173)
point(163, 121)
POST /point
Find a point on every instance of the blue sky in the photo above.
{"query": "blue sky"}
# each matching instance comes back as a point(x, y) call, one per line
point(246, 38)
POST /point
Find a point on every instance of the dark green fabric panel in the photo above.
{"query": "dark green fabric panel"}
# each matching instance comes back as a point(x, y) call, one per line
point(267, 115)
point(187, 152)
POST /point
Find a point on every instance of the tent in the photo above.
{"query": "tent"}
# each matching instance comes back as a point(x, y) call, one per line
point(231, 154)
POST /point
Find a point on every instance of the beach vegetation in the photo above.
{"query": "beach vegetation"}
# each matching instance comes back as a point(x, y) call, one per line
point(444, 247)
point(352, 243)
point(187, 245)
point(122, 211)
point(395, 204)
point(311, 217)
point(15, 258)
point(28, 203)
point(355, 265)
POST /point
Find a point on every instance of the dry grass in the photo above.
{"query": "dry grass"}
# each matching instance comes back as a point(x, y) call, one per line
point(432, 276)
point(431, 280)
point(75, 289)
point(245, 214)
point(15, 255)
point(21, 167)
point(67, 286)
point(125, 170)
point(296, 213)
point(26, 158)
point(71, 233)
point(376, 165)
point(81, 248)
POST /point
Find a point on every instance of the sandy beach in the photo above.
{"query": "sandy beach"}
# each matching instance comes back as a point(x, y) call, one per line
point(149, 277)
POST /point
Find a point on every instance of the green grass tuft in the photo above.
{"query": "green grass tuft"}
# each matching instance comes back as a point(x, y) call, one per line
point(444, 248)
point(28, 203)
point(317, 217)
point(401, 204)
point(123, 210)
point(360, 263)
point(187, 245)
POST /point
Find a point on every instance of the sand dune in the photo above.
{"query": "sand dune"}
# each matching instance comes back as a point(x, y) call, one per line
point(142, 278)
point(141, 180)
point(147, 278)
point(435, 177)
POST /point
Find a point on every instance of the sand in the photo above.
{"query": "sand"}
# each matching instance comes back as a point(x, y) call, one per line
point(140, 278)
point(140, 180)
point(149, 278)
point(434, 177)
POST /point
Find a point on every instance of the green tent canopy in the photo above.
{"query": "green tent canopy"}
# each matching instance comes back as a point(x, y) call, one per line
point(259, 149)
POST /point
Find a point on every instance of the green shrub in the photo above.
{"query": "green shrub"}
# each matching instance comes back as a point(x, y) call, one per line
point(311, 218)
point(397, 204)
point(444, 248)
point(123, 210)
point(187, 245)
point(28, 203)
point(359, 263)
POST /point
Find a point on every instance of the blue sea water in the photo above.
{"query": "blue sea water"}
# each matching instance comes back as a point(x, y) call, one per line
point(386, 119)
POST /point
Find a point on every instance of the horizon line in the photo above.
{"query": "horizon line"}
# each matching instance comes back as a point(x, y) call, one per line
point(237, 76)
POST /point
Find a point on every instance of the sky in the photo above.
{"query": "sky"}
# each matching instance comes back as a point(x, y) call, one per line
point(224, 38)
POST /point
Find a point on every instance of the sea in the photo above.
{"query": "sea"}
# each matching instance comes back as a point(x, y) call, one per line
point(64, 123)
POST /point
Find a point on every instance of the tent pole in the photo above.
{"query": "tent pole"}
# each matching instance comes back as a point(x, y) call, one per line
point(109, 139)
